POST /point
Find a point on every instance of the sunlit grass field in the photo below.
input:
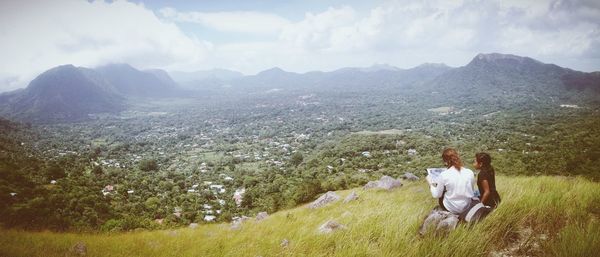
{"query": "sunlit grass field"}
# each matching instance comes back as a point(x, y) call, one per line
point(539, 216)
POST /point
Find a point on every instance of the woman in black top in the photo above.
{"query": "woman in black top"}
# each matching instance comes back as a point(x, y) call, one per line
point(486, 180)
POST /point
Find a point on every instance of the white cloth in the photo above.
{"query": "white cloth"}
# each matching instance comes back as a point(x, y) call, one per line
point(458, 186)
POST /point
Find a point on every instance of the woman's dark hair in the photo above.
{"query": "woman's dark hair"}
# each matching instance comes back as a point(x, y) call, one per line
point(486, 162)
point(451, 158)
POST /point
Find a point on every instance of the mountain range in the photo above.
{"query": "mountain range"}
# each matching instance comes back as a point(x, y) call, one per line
point(68, 93)
point(503, 77)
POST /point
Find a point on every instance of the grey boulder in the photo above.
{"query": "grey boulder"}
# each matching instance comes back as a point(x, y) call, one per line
point(439, 220)
point(409, 176)
point(237, 223)
point(325, 199)
point(79, 249)
point(261, 216)
point(371, 184)
point(330, 226)
point(385, 182)
point(284, 243)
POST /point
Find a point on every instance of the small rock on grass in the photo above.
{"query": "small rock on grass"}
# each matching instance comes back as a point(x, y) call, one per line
point(237, 223)
point(410, 176)
point(261, 216)
point(285, 243)
point(330, 226)
point(78, 249)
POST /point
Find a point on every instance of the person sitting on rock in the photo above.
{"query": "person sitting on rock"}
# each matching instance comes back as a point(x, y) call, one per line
point(454, 188)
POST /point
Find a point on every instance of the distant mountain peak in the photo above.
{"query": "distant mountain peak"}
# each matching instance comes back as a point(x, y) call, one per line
point(64, 66)
point(55, 73)
point(62, 93)
point(495, 57)
point(506, 61)
point(379, 67)
point(274, 70)
point(61, 68)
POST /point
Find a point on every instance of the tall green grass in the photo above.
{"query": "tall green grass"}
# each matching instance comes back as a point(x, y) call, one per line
point(539, 216)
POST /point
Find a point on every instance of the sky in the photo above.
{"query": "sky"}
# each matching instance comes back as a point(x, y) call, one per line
point(251, 36)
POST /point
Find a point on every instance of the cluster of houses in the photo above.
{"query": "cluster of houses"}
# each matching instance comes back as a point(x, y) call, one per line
point(160, 133)
point(279, 149)
point(57, 152)
point(109, 163)
point(215, 188)
point(207, 210)
point(110, 189)
point(208, 213)
point(203, 168)
point(410, 152)
point(256, 156)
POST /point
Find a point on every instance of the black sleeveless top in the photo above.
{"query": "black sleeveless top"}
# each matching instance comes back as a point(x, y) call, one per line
point(494, 197)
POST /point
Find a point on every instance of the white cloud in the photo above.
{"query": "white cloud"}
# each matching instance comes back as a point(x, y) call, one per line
point(407, 33)
point(335, 30)
point(237, 21)
point(36, 36)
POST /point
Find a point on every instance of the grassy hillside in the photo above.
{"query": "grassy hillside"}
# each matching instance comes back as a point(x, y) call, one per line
point(539, 216)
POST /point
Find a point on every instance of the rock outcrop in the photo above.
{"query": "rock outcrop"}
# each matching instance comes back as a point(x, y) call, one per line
point(79, 249)
point(237, 223)
point(284, 243)
point(410, 176)
point(330, 226)
point(325, 199)
point(371, 184)
point(385, 182)
point(261, 216)
point(439, 220)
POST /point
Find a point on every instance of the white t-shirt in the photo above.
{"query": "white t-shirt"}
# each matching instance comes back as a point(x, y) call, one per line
point(458, 186)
